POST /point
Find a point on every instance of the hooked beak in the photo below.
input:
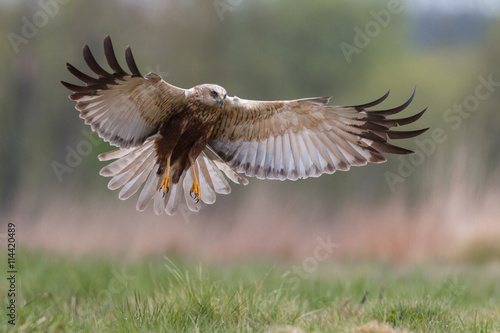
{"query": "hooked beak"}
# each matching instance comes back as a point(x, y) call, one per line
point(221, 100)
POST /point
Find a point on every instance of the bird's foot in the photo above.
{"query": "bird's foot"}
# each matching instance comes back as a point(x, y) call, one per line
point(165, 185)
point(195, 192)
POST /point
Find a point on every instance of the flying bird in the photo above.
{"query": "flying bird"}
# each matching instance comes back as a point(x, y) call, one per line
point(185, 142)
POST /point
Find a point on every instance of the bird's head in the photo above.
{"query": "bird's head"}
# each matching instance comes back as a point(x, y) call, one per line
point(212, 94)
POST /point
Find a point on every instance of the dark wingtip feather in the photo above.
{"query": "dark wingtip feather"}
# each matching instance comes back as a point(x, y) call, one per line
point(408, 120)
point(78, 89)
point(111, 57)
point(93, 65)
point(129, 58)
point(405, 134)
point(396, 109)
point(375, 102)
point(82, 76)
point(388, 123)
point(387, 148)
point(65, 84)
point(378, 118)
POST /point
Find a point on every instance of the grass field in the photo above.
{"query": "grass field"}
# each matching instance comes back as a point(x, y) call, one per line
point(88, 294)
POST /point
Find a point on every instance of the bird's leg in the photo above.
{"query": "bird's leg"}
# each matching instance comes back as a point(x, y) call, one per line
point(195, 189)
point(165, 184)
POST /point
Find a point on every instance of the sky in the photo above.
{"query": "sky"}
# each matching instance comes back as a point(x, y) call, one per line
point(486, 7)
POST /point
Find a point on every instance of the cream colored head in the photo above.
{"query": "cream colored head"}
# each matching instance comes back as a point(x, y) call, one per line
point(211, 94)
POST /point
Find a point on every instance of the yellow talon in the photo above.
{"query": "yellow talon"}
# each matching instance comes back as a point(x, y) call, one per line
point(195, 189)
point(165, 184)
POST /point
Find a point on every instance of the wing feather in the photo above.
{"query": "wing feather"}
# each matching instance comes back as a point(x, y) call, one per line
point(323, 151)
point(124, 109)
point(268, 159)
point(313, 153)
point(306, 138)
point(287, 159)
point(277, 162)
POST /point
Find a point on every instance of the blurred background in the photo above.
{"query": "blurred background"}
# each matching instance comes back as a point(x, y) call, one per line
point(442, 203)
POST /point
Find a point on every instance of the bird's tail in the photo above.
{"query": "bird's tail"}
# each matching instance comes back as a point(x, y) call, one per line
point(136, 166)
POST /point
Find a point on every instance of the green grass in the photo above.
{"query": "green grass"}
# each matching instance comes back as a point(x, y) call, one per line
point(61, 294)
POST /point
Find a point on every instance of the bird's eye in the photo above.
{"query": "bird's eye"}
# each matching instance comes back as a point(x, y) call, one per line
point(214, 93)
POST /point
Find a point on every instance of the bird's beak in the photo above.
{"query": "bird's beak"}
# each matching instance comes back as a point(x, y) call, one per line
point(221, 100)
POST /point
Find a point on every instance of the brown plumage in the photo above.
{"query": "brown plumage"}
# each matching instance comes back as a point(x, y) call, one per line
point(163, 132)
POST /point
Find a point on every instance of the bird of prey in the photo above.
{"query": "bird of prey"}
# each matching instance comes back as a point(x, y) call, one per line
point(181, 142)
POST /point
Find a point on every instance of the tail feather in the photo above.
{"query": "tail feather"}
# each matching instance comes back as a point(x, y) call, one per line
point(149, 190)
point(206, 184)
point(140, 164)
point(220, 183)
point(132, 186)
point(137, 166)
point(128, 161)
point(193, 205)
point(175, 197)
point(119, 180)
point(159, 201)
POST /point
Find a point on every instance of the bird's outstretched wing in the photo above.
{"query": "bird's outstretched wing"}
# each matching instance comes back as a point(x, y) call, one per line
point(305, 138)
point(123, 108)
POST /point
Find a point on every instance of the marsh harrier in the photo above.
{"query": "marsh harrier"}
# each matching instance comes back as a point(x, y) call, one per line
point(181, 142)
